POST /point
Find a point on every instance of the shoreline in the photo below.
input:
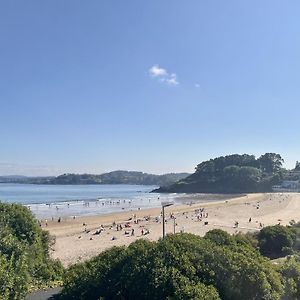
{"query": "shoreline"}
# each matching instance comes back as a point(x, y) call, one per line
point(103, 205)
point(76, 240)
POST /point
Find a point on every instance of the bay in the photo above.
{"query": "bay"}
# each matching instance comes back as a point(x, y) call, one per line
point(54, 201)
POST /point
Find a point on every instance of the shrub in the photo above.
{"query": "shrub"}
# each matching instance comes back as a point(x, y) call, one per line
point(24, 256)
point(181, 266)
point(276, 241)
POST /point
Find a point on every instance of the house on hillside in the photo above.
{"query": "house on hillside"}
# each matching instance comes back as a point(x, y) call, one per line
point(288, 186)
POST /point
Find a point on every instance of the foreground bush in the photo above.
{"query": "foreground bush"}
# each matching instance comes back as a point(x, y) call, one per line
point(24, 253)
point(291, 276)
point(182, 266)
point(276, 241)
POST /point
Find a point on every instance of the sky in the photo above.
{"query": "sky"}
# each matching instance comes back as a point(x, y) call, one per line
point(154, 86)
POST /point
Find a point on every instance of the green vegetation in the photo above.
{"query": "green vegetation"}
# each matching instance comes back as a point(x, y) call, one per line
point(182, 266)
point(276, 241)
point(232, 174)
point(291, 278)
point(186, 266)
point(115, 177)
point(119, 177)
point(24, 253)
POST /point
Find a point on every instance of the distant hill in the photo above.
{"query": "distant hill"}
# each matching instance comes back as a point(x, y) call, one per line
point(119, 177)
point(24, 179)
point(232, 174)
point(115, 177)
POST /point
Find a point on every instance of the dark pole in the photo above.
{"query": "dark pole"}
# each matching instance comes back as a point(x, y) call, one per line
point(174, 219)
point(163, 215)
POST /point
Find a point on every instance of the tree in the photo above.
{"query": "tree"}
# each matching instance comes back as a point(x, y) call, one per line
point(219, 237)
point(181, 266)
point(270, 162)
point(276, 241)
point(291, 276)
point(232, 174)
point(24, 257)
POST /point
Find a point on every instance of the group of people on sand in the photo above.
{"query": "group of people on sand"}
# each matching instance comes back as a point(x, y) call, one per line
point(45, 222)
point(126, 227)
point(200, 213)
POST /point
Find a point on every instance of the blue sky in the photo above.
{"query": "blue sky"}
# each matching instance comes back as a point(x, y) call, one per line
point(155, 86)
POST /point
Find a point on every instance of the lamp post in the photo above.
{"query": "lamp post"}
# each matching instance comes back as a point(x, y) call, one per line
point(174, 219)
point(166, 204)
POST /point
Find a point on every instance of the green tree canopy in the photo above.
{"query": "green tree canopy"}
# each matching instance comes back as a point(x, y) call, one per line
point(276, 241)
point(182, 266)
point(24, 256)
point(232, 174)
point(270, 162)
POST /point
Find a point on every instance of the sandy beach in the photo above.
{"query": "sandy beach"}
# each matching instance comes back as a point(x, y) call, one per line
point(84, 237)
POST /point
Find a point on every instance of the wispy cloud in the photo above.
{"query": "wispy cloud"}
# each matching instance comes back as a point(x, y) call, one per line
point(197, 85)
point(163, 75)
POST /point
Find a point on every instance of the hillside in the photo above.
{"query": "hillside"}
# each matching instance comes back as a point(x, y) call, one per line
point(24, 179)
point(232, 174)
point(115, 177)
point(118, 177)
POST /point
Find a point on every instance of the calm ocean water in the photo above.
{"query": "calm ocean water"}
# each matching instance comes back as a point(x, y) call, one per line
point(47, 201)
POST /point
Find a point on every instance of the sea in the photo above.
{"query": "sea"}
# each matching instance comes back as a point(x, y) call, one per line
point(58, 201)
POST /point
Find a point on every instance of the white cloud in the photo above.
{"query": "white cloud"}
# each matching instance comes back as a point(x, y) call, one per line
point(163, 75)
point(156, 71)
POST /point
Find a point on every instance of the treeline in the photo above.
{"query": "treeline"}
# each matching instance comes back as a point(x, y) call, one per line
point(24, 254)
point(118, 177)
point(232, 174)
point(25, 179)
point(115, 177)
point(186, 266)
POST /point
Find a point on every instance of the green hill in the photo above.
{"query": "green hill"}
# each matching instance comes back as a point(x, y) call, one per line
point(232, 174)
point(118, 177)
point(115, 177)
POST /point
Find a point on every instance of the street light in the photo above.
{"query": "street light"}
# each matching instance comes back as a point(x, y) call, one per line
point(165, 204)
point(174, 224)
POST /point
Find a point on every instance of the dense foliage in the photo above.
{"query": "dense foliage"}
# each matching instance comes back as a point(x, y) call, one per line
point(115, 177)
point(25, 179)
point(276, 241)
point(291, 278)
point(24, 253)
point(119, 177)
point(182, 266)
point(232, 174)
